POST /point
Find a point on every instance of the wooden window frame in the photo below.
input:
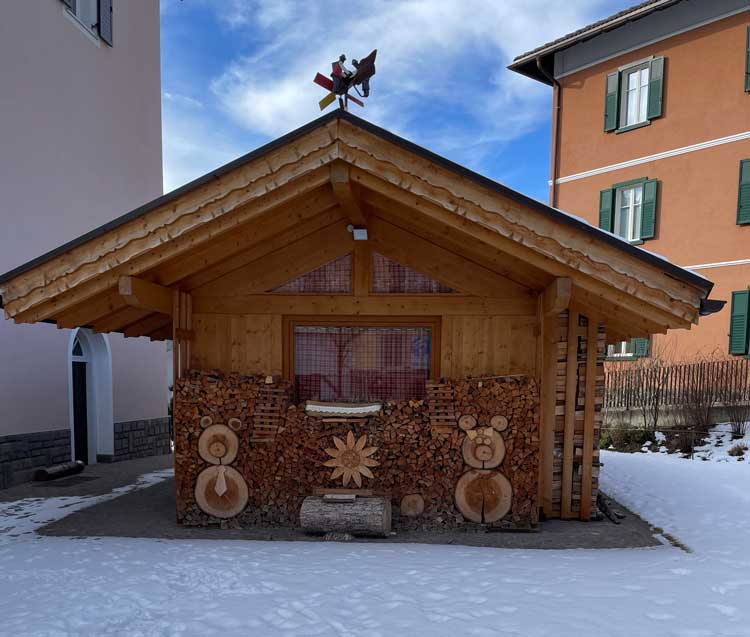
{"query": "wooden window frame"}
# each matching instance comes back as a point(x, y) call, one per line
point(289, 323)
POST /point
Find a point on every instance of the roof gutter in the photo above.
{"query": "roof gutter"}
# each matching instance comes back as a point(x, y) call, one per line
point(556, 98)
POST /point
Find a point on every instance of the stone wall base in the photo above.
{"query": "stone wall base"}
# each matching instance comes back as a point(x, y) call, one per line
point(140, 438)
point(22, 454)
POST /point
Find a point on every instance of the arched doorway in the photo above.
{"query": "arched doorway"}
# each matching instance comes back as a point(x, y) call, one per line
point(90, 396)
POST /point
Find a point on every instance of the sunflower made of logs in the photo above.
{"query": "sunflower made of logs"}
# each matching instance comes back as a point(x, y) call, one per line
point(351, 459)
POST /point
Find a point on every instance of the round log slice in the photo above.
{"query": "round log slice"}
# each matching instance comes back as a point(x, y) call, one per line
point(218, 444)
point(467, 422)
point(499, 423)
point(412, 505)
point(485, 451)
point(206, 421)
point(363, 516)
point(235, 424)
point(483, 496)
point(234, 492)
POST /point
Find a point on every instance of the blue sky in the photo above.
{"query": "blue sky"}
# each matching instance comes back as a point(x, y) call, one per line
point(238, 73)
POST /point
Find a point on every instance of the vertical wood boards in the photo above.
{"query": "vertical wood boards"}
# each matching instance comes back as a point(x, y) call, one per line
point(589, 412)
point(571, 381)
point(182, 323)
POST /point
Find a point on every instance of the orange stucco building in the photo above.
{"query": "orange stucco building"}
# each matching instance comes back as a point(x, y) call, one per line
point(651, 140)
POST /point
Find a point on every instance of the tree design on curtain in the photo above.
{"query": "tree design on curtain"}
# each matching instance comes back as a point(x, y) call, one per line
point(391, 277)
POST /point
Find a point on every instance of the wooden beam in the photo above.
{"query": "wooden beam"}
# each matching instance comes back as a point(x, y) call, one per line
point(550, 337)
point(228, 252)
point(89, 312)
point(571, 382)
point(375, 305)
point(454, 239)
point(145, 295)
point(148, 325)
point(454, 270)
point(284, 264)
point(362, 268)
point(346, 194)
point(556, 297)
point(119, 320)
point(589, 410)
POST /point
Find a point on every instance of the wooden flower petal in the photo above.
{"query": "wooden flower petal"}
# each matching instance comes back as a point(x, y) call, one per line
point(339, 444)
point(333, 462)
point(338, 471)
point(350, 440)
point(366, 472)
point(361, 443)
point(357, 478)
point(347, 476)
point(369, 462)
point(333, 452)
point(368, 452)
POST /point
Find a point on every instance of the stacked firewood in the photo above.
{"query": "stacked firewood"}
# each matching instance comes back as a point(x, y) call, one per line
point(414, 460)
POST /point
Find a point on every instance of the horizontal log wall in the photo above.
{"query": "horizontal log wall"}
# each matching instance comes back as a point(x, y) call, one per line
point(414, 458)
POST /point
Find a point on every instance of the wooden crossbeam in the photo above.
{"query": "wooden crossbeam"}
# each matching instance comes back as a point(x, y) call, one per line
point(346, 195)
point(556, 297)
point(145, 295)
point(121, 319)
point(375, 305)
point(148, 325)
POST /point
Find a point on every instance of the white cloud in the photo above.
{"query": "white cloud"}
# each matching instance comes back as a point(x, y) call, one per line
point(430, 55)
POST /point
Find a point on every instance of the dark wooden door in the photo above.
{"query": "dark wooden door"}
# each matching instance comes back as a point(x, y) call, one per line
point(80, 413)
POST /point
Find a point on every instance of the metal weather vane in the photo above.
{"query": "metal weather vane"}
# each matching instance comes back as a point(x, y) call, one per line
point(342, 80)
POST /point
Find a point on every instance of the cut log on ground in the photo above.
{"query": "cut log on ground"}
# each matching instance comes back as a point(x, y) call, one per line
point(59, 471)
point(412, 505)
point(369, 516)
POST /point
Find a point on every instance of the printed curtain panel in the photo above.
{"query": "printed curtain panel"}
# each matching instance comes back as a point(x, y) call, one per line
point(390, 277)
point(335, 277)
point(361, 364)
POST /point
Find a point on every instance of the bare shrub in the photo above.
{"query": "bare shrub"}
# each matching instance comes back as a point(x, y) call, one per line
point(652, 375)
point(737, 451)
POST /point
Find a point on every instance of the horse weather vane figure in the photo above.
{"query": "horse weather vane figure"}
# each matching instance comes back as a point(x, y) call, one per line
point(342, 80)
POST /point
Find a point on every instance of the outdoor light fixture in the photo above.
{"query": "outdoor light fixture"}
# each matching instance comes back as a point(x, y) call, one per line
point(360, 234)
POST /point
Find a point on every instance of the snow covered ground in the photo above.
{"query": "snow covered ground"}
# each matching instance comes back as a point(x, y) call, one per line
point(67, 586)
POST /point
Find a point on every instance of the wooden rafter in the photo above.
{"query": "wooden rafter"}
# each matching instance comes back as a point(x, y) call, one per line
point(346, 194)
point(145, 294)
point(147, 326)
point(117, 321)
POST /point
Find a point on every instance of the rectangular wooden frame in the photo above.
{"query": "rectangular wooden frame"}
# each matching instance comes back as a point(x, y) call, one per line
point(290, 322)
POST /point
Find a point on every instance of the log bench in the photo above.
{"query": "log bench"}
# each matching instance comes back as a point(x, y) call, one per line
point(346, 511)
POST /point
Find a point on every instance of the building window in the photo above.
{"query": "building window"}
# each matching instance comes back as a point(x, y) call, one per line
point(391, 277)
point(86, 12)
point(628, 212)
point(634, 348)
point(360, 362)
point(743, 194)
point(628, 209)
point(334, 277)
point(634, 96)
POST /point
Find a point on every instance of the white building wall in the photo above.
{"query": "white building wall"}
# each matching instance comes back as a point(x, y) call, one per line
point(80, 144)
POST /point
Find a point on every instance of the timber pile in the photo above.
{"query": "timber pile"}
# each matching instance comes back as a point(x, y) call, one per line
point(413, 461)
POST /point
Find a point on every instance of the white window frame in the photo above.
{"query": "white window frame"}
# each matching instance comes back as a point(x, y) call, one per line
point(641, 118)
point(635, 212)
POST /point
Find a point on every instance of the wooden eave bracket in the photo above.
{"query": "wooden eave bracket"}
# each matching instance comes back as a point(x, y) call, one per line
point(556, 296)
point(346, 194)
point(145, 295)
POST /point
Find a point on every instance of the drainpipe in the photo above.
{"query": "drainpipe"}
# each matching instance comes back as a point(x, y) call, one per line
point(556, 99)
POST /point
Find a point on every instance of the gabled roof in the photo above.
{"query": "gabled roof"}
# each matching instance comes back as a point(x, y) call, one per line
point(239, 224)
point(459, 170)
point(526, 63)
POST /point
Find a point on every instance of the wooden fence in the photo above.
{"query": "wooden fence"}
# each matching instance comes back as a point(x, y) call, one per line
point(632, 386)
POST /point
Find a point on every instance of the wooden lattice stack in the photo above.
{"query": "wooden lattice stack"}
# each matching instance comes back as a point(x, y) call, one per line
point(440, 403)
point(268, 412)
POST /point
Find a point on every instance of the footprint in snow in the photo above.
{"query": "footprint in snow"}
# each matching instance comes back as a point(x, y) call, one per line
point(727, 611)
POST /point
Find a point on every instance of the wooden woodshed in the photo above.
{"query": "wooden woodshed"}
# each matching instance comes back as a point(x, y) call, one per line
point(350, 310)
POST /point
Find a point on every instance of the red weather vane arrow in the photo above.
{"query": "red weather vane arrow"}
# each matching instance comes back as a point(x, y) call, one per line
point(342, 80)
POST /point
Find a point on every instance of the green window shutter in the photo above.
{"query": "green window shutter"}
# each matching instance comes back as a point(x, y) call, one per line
point(648, 208)
point(640, 347)
point(611, 102)
point(606, 210)
point(743, 195)
point(738, 322)
point(655, 88)
point(747, 59)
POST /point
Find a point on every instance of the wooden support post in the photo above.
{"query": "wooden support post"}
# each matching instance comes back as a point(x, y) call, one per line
point(556, 297)
point(182, 322)
point(571, 381)
point(345, 194)
point(362, 267)
point(588, 416)
point(145, 295)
